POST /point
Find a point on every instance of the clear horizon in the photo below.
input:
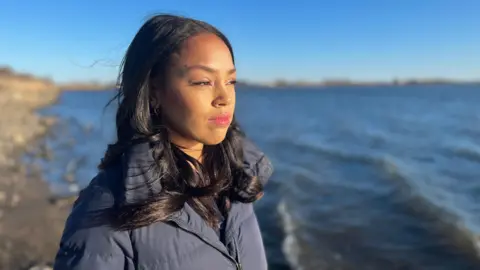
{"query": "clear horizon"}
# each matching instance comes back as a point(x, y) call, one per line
point(301, 41)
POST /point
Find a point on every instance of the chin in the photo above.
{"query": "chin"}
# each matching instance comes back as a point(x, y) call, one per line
point(214, 141)
point(215, 138)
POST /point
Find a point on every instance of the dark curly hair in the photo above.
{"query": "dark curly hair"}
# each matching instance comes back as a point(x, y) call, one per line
point(221, 178)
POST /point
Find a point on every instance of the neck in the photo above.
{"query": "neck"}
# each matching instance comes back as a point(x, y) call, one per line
point(195, 151)
point(190, 147)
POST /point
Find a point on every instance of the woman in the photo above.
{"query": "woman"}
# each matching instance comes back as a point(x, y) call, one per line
point(175, 191)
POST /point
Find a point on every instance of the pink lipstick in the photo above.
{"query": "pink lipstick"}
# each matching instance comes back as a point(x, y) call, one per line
point(221, 120)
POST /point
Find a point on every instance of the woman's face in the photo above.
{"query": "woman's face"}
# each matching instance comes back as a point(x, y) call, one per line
point(198, 99)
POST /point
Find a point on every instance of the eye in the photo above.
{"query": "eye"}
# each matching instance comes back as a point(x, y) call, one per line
point(232, 82)
point(201, 83)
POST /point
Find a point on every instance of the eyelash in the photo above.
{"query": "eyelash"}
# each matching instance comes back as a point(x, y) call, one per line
point(206, 83)
point(200, 83)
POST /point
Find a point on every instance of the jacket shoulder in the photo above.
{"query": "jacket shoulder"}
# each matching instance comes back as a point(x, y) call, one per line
point(256, 162)
point(88, 241)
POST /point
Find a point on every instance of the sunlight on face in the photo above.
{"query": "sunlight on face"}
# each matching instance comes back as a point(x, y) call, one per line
point(199, 98)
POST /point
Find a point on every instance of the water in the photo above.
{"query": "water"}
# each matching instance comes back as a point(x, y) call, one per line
point(366, 178)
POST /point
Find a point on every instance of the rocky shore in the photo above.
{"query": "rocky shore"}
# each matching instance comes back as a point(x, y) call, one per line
point(30, 226)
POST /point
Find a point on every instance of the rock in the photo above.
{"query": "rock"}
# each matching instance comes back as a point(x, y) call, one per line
point(63, 202)
point(49, 121)
point(69, 177)
point(40, 268)
point(3, 198)
point(19, 139)
point(15, 200)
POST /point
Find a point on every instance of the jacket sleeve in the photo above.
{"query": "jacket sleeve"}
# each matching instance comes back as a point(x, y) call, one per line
point(256, 163)
point(89, 244)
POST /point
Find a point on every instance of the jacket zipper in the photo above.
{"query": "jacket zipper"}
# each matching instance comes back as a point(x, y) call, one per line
point(239, 264)
point(182, 226)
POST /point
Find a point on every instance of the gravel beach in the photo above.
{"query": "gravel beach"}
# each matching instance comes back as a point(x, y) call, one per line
point(30, 226)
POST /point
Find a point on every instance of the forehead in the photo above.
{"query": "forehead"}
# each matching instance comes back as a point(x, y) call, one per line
point(205, 49)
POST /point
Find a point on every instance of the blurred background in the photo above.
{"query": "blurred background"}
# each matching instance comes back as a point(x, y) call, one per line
point(369, 111)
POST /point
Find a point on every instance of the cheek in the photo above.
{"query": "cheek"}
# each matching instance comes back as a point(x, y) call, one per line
point(234, 99)
point(186, 109)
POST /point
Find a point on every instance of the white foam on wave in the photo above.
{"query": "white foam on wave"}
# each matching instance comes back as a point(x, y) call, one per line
point(290, 245)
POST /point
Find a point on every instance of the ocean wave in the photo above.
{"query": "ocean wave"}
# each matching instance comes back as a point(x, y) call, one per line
point(290, 245)
point(328, 151)
point(472, 132)
point(420, 198)
point(300, 246)
point(469, 152)
point(414, 191)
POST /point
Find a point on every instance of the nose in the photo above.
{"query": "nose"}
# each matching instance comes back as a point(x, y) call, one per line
point(224, 97)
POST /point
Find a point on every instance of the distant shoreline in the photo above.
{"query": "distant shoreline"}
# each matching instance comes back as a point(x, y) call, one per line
point(283, 85)
point(6, 72)
point(86, 86)
point(347, 83)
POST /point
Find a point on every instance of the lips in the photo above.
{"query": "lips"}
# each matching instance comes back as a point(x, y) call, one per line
point(223, 119)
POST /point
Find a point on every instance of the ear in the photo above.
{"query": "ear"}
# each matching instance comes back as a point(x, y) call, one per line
point(154, 88)
point(156, 100)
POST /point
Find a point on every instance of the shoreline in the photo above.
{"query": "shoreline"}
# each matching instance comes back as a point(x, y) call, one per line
point(283, 84)
point(30, 226)
point(295, 86)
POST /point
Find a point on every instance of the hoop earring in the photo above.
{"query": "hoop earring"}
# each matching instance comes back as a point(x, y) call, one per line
point(157, 111)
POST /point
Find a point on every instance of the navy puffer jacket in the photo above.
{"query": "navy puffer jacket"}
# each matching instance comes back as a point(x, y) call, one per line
point(185, 242)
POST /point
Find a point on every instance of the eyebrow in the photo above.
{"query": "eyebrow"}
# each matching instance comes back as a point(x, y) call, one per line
point(208, 69)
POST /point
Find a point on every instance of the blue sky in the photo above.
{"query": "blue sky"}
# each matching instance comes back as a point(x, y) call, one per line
point(294, 40)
